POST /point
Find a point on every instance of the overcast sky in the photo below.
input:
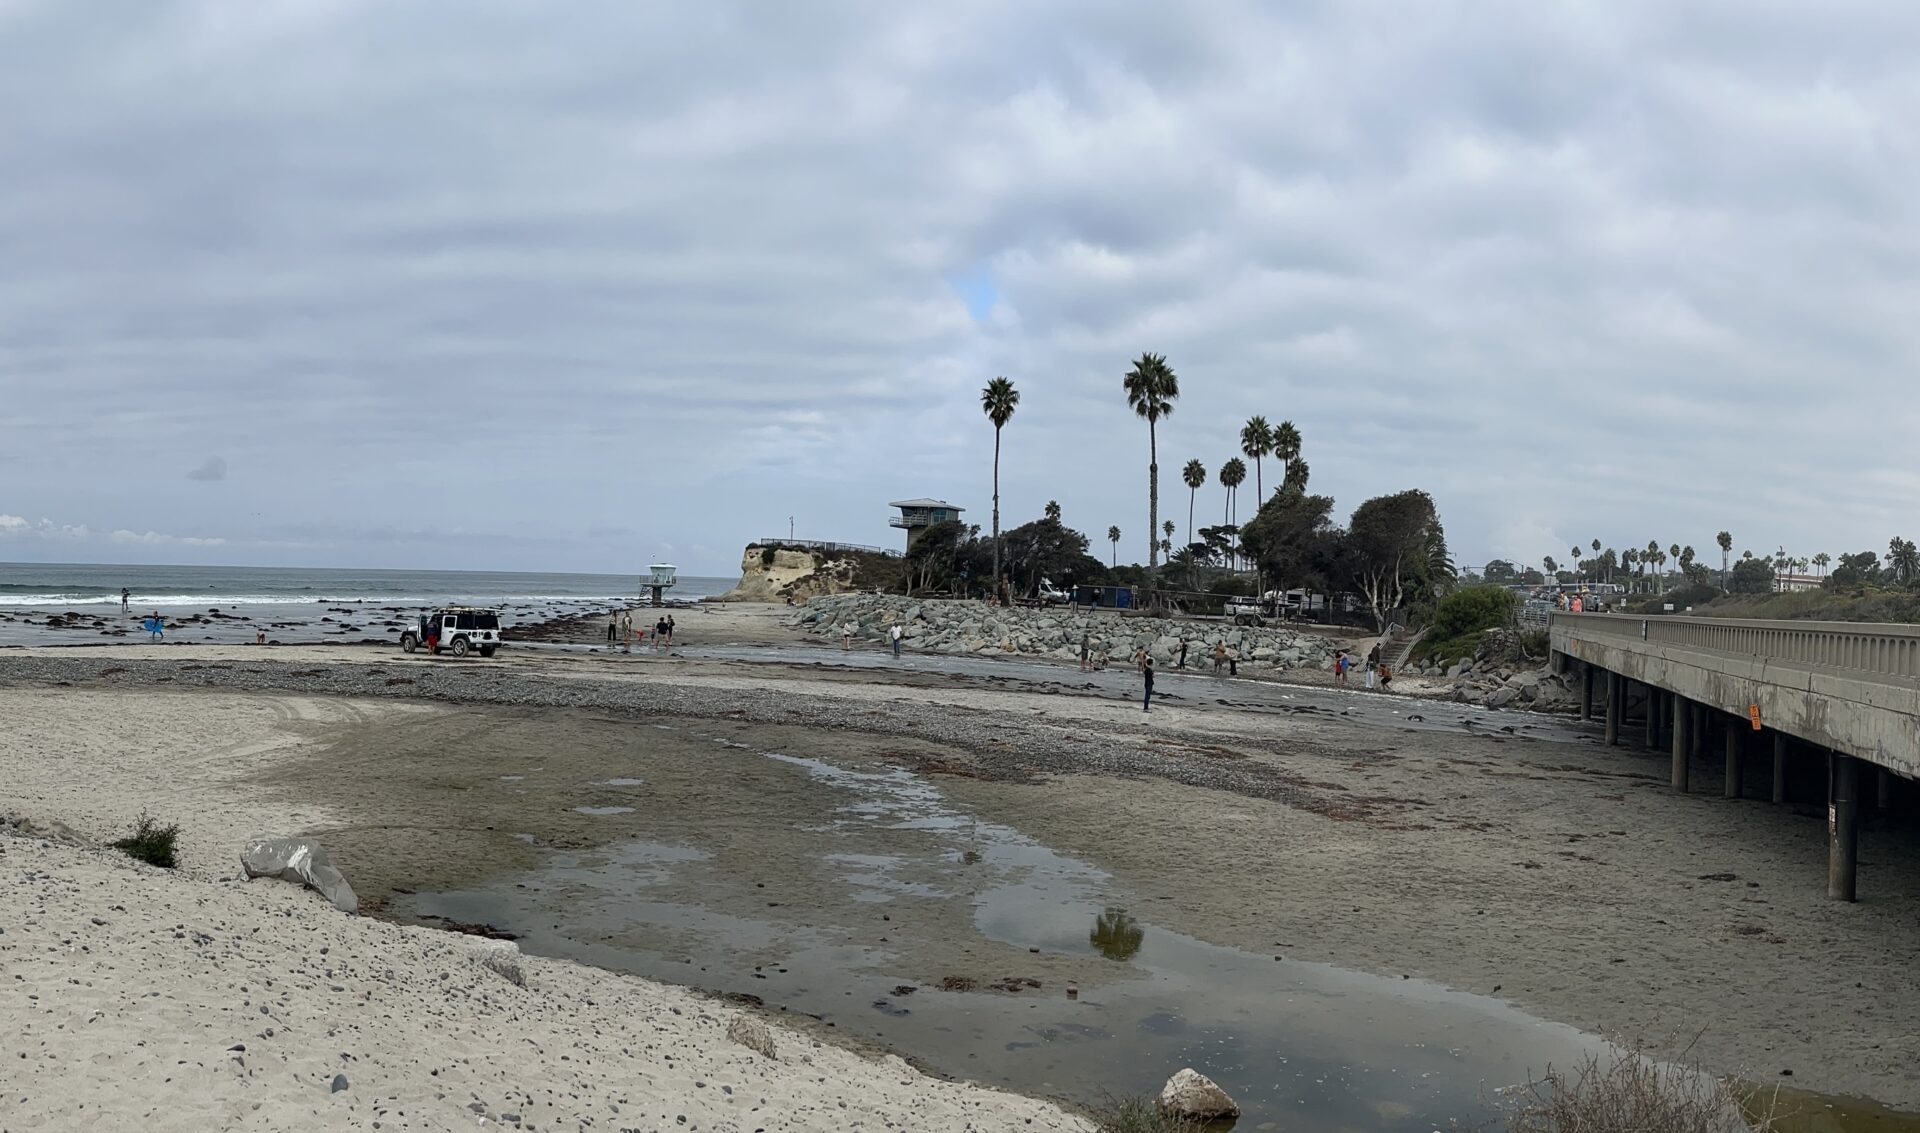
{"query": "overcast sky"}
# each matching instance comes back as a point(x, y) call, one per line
point(589, 285)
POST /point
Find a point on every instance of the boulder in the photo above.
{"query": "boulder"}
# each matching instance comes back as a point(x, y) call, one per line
point(1502, 697)
point(1192, 1096)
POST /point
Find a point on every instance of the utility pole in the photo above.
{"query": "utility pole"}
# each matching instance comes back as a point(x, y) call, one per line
point(789, 529)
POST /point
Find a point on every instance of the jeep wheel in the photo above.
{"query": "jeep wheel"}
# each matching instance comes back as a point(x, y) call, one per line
point(407, 643)
point(486, 650)
point(459, 647)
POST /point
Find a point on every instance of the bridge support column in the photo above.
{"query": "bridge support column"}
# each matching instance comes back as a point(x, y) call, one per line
point(1682, 717)
point(1586, 692)
point(1612, 693)
point(1843, 826)
point(1884, 794)
point(1652, 723)
point(1736, 778)
point(1779, 767)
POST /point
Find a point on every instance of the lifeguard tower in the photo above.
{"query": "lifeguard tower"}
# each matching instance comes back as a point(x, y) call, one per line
point(659, 577)
point(918, 515)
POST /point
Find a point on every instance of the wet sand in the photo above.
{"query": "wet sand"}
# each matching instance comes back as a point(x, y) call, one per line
point(1551, 873)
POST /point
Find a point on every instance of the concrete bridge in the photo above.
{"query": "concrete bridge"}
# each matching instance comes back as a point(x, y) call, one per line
point(1836, 701)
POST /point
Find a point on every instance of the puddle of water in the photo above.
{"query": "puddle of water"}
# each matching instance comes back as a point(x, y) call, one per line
point(603, 810)
point(1796, 1111)
point(621, 782)
point(512, 778)
point(1304, 1047)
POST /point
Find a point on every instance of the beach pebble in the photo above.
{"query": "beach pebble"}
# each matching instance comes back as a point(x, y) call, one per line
point(339, 1083)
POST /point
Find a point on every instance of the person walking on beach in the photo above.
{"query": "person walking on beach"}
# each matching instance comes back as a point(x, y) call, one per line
point(669, 631)
point(1086, 650)
point(126, 601)
point(846, 635)
point(1146, 675)
point(1340, 667)
point(1183, 653)
point(659, 635)
point(1373, 663)
point(613, 628)
point(1219, 656)
point(896, 633)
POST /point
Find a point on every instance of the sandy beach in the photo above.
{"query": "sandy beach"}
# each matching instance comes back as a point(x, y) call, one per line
point(1548, 873)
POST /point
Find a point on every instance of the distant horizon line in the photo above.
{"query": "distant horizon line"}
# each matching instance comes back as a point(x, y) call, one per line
point(387, 569)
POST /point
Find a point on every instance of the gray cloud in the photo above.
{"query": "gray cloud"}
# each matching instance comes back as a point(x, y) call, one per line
point(212, 468)
point(1612, 270)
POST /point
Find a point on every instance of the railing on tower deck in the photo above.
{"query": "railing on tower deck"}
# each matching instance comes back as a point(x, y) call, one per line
point(1888, 652)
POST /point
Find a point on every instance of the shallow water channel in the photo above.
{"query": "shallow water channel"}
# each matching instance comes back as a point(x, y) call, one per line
point(1300, 1045)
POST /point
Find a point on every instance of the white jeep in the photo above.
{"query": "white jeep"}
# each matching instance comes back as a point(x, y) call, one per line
point(458, 628)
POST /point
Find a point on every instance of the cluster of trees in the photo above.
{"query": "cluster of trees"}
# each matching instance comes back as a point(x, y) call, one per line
point(1645, 569)
point(952, 557)
point(1392, 553)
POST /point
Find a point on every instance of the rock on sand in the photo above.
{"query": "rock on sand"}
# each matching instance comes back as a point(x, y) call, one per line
point(1193, 1096)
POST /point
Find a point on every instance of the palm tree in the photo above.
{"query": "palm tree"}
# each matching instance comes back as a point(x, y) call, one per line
point(1726, 548)
point(1233, 474)
point(1152, 388)
point(998, 401)
point(1553, 568)
point(1820, 562)
point(1286, 446)
point(1256, 440)
point(1113, 536)
point(1296, 475)
point(1196, 479)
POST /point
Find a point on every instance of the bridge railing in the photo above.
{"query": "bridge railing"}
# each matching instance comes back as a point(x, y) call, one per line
point(1891, 652)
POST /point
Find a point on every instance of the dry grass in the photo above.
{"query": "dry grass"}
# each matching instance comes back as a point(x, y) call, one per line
point(1628, 1091)
point(1140, 1115)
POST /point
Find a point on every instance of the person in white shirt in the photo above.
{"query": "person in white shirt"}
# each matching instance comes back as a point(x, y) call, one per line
point(896, 633)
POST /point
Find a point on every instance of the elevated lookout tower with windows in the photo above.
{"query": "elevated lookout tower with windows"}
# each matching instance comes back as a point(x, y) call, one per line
point(918, 515)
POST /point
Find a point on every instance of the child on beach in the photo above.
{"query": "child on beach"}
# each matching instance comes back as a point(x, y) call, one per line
point(846, 635)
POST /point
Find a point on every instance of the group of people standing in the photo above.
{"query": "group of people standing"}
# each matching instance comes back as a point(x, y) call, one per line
point(1377, 670)
point(620, 628)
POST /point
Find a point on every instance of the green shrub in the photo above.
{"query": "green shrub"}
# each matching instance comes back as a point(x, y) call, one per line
point(1462, 620)
point(1471, 609)
point(1445, 651)
point(1139, 1115)
point(150, 842)
point(766, 556)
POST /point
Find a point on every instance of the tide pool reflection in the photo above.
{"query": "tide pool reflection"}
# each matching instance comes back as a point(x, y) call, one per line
point(1116, 935)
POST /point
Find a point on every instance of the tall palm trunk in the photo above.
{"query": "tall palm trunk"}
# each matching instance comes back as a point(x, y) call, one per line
point(1258, 488)
point(996, 510)
point(1153, 497)
point(1191, 493)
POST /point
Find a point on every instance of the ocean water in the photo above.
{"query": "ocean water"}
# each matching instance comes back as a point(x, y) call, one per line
point(81, 585)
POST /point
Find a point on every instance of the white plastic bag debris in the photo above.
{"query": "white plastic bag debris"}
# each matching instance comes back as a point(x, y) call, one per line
point(299, 860)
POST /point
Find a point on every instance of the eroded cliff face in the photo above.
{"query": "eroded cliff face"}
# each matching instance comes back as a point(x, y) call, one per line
point(771, 574)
